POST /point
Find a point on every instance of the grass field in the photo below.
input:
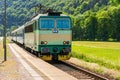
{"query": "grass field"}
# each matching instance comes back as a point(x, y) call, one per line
point(103, 53)
point(1, 52)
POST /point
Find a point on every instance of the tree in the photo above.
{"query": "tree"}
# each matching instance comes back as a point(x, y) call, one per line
point(12, 28)
point(1, 30)
point(114, 13)
point(103, 25)
point(91, 27)
point(78, 33)
point(115, 2)
point(1, 27)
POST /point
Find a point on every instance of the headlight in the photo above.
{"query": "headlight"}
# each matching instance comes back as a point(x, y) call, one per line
point(66, 42)
point(44, 42)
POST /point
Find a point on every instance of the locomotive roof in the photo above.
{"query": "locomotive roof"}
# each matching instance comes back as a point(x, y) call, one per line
point(32, 21)
point(38, 16)
point(21, 27)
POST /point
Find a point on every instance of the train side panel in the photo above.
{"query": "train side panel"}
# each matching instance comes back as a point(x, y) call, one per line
point(30, 37)
point(20, 36)
point(29, 40)
point(14, 36)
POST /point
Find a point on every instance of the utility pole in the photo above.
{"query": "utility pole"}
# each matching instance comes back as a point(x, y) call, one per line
point(4, 39)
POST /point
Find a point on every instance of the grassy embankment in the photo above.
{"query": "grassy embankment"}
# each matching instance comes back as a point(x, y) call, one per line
point(105, 54)
point(8, 69)
point(2, 51)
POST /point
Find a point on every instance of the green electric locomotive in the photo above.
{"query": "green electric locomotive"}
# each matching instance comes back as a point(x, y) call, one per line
point(48, 35)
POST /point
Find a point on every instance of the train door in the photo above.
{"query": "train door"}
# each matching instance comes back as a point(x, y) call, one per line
point(35, 29)
point(16, 36)
point(23, 31)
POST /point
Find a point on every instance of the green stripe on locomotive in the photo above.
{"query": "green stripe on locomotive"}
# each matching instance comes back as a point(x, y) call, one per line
point(50, 32)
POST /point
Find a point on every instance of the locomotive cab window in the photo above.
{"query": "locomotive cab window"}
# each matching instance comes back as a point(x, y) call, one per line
point(46, 23)
point(63, 23)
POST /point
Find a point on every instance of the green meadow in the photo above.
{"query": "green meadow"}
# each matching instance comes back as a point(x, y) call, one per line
point(106, 54)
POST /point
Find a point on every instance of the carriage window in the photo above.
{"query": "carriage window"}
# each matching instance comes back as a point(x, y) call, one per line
point(29, 29)
point(47, 23)
point(63, 23)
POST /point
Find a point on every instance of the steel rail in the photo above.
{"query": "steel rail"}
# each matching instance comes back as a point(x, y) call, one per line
point(94, 75)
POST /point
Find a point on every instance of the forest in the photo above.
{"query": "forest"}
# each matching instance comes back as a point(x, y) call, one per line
point(94, 20)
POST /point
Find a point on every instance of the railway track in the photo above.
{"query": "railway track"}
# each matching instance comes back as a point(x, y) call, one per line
point(78, 72)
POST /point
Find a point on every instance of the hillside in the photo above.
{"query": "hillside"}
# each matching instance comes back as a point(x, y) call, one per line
point(92, 19)
point(76, 7)
point(19, 11)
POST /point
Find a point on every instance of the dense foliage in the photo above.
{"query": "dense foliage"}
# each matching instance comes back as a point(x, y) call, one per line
point(92, 19)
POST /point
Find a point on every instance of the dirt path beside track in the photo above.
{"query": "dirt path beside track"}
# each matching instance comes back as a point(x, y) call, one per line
point(12, 69)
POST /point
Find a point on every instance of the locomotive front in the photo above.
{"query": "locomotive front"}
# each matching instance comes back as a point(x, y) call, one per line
point(55, 37)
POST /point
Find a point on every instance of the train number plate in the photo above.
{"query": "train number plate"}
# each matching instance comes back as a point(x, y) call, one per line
point(55, 31)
